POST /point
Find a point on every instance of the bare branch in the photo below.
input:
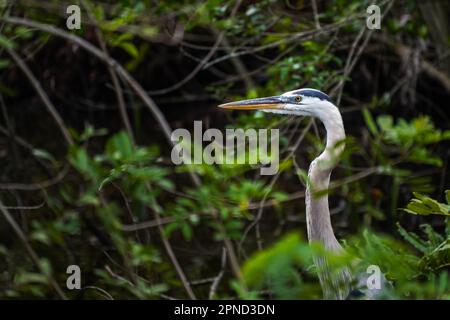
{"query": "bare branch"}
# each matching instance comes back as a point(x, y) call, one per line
point(34, 257)
point(45, 99)
point(112, 73)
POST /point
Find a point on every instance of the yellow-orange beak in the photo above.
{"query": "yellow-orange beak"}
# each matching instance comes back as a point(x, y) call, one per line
point(255, 104)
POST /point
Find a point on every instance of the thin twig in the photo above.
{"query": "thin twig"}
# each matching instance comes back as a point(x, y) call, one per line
point(112, 73)
point(143, 96)
point(38, 185)
point(10, 134)
point(103, 292)
point(216, 281)
point(271, 184)
point(147, 224)
point(45, 99)
point(34, 257)
point(316, 14)
point(169, 250)
point(35, 207)
point(296, 37)
point(101, 55)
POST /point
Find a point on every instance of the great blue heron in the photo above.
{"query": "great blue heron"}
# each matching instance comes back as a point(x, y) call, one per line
point(314, 103)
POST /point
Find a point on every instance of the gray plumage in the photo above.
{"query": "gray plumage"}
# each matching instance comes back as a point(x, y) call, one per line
point(336, 284)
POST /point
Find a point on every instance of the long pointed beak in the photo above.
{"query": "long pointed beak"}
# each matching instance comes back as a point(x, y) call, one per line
point(255, 104)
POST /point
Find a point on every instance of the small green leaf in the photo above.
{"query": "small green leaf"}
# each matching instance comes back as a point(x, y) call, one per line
point(369, 122)
point(385, 122)
point(43, 154)
point(4, 63)
point(6, 42)
point(130, 48)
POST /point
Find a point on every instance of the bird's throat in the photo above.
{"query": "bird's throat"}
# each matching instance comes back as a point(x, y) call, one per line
point(335, 285)
point(316, 199)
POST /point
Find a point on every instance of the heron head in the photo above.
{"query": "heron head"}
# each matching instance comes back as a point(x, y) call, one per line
point(302, 102)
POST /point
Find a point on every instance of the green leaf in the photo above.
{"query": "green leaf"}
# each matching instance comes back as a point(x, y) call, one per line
point(254, 269)
point(89, 198)
point(437, 259)
point(369, 122)
point(6, 42)
point(4, 63)
point(28, 277)
point(424, 205)
point(413, 239)
point(81, 161)
point(187, 231)
point(130, 48)
point(43, 154)
point(23, 32)
point(385, 122)
point(119, 147)
point(434, 238)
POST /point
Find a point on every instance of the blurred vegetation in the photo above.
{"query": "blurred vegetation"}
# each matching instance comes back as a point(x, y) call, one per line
point(113, 203)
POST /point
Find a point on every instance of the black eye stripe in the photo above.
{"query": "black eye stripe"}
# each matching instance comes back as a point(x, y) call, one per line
point(312, 93)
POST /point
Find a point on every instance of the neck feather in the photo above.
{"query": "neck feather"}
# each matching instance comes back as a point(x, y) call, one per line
point(317, 209)
point(336, 284)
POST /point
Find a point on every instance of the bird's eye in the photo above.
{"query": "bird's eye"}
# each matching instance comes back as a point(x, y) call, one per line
point(298, 99)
